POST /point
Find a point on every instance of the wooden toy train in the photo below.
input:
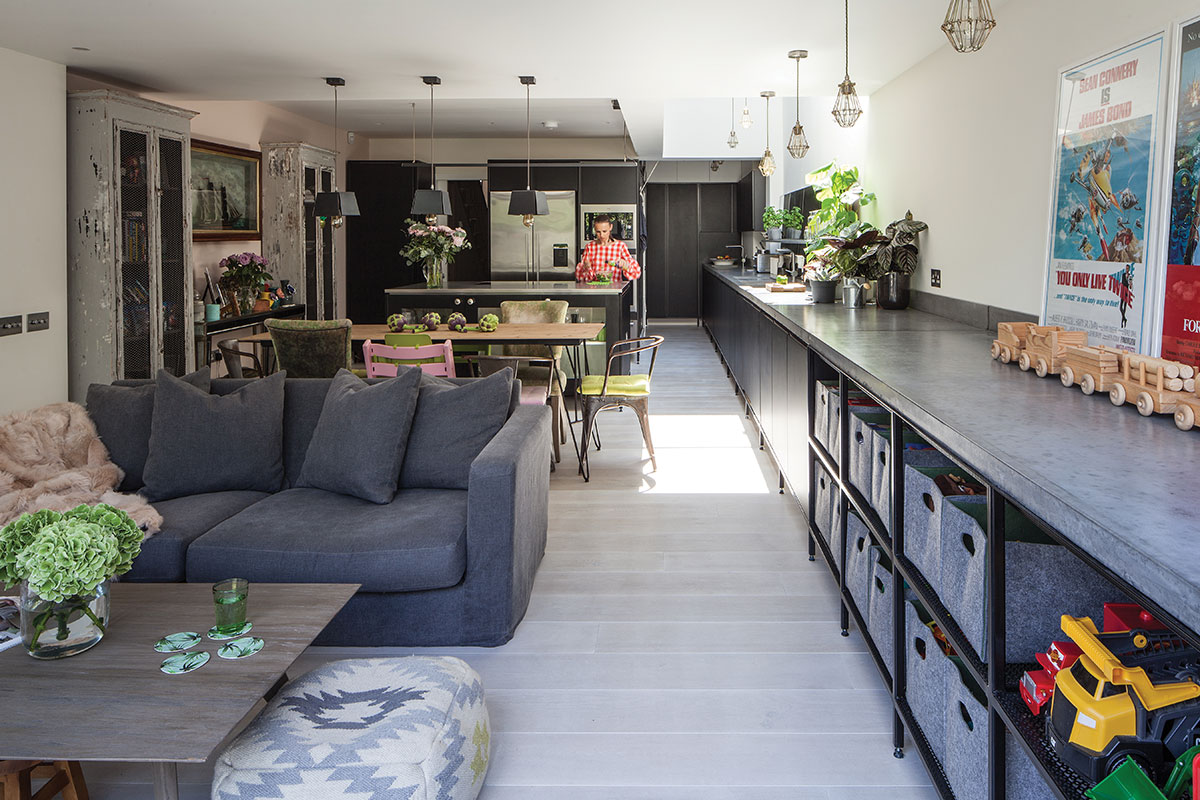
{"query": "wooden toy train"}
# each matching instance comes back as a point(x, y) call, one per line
point(1154, 385)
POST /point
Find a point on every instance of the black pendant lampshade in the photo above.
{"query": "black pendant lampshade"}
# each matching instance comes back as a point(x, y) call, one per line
point(336, 206)
point(430, 203)
point(527, 202)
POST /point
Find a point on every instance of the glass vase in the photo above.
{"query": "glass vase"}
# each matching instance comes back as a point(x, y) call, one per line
point(246, 298)
point(57, 630)
point(435, 273)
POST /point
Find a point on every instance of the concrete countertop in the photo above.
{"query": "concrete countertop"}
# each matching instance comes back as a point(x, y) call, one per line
point(1122, 487)
point(543, 288)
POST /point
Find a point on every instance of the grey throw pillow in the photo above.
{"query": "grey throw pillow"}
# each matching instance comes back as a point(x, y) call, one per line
point(202, 442)
point(122, 416)
point(360, 439)
point(452, 426)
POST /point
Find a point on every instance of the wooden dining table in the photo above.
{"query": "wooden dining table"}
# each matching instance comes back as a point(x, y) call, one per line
point(564, 334)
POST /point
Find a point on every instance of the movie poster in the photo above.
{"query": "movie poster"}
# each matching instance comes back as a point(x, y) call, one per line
point(1181, 290)
point(1102, 233)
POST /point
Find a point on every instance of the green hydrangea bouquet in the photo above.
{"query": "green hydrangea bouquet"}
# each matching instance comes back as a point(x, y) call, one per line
point(62, 561)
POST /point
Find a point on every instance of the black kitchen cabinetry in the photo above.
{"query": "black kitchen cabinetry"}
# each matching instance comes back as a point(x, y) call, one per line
point(685, 224)
point(594, 184)
point(375, 237)
point(751, 201)
point(616, 185)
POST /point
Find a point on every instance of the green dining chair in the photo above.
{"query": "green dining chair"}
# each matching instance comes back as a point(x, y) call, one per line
point(311, 348)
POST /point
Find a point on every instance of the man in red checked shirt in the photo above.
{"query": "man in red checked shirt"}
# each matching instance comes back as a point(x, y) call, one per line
point(604, 255)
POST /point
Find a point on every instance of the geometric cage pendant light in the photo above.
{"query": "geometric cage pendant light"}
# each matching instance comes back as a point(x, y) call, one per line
point(333, 205)
point(431, 202)
point(968, 23)
point(766, 165)
point(847, 109)
point(798, 143)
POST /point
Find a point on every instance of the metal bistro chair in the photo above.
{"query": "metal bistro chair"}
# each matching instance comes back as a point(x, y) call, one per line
point(311, 348)
point(601, 392)
point(233, 358)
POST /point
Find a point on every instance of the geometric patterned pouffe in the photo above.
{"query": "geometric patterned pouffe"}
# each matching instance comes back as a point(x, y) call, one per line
point(368, 729)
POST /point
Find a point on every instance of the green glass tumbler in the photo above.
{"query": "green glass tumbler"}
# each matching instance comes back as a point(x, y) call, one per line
point(229, 598)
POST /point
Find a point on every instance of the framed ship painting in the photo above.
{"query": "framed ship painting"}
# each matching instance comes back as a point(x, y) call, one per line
point(226, 193)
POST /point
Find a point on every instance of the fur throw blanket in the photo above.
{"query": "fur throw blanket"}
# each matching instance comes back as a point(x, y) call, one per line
point(52, 457)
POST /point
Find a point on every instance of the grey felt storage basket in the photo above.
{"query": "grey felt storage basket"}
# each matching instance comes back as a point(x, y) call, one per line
point(881, 484)
point(825, 415)
point(858, 561)
point(879, 605)
point(962, 583)
point(967, 724)
point(821, 512)
point(861, 465)
point(1022, 781)
point(927, 675)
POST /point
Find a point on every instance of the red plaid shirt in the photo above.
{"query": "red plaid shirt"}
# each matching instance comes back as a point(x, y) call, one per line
point(596, 257)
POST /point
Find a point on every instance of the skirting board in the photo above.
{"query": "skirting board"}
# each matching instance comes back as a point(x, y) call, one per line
point(978, 315)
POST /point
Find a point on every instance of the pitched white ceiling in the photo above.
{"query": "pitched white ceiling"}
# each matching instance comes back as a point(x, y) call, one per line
point(278, 50)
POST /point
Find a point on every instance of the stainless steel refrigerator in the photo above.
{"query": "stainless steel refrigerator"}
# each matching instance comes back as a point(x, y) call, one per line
point(546, 252)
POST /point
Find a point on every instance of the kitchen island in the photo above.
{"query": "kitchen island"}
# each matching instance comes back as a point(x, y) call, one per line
point(468, 297)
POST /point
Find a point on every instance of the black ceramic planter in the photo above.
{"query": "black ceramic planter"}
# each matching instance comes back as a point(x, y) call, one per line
point(891, 291)
point(823, 291)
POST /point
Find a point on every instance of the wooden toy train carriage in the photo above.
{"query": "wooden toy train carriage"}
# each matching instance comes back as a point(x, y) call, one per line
point(1092, 368)
point(1046, 346)
point(1010, 340)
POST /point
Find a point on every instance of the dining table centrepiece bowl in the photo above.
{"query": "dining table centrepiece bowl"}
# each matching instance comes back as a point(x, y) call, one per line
point(63, 562)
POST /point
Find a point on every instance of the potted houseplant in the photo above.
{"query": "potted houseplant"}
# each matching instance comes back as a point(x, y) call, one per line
point(793, 222)
point(841, 254)
point(842, 197)
point(893, 260)
point(63, 562)
point(822, 281)
point(434, 247)
point(244, 276)
point(772, 220)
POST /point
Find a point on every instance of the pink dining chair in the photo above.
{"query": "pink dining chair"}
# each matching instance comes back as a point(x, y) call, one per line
point(383, 369)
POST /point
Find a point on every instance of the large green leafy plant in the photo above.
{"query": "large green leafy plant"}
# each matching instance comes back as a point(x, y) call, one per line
point(62, 555)
point(895, 250)
point(835, 235)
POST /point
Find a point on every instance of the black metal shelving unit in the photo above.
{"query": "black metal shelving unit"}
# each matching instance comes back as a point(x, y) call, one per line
point(1009, 717)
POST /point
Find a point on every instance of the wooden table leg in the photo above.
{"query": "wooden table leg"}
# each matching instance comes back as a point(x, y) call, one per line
point(166, 781)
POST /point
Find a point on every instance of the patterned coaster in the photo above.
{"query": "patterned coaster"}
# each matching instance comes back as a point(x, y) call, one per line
point(217, 636)
point(177, 642)
point(182, 663)
point(241, 648)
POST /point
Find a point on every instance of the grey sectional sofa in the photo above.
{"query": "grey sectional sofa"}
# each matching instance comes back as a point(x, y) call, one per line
point(437, 566)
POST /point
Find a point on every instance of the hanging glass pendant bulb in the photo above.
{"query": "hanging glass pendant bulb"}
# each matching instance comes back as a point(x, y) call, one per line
point(968, 23)
point(798, 142)
point(766, 164)
point(732, 141)
point(746, 120)
point(846, 108)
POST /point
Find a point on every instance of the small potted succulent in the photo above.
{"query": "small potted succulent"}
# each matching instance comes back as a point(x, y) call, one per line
point(822, 281)
point(244, 276)
point(893, 259)
point(772, 220)
point(63, 562)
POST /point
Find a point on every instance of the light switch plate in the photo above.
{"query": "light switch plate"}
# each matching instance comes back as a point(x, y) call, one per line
point(39, 321)
point(935, 278)
point(10, 325)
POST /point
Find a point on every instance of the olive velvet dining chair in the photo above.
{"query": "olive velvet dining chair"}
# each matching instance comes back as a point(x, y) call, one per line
point(311, 348)
point(535, 369)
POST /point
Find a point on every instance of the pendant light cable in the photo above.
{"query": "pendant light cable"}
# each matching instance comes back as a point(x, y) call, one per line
point(432, 158)
point(528, 145)
point(413, 109)
point(847, 51)
point(335, 136)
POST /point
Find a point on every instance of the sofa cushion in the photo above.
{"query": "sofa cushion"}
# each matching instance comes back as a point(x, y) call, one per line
point(358, 445)
point(202, 442)
point(185, 519)
point(122, 414)
point(451, 427)
point(417, 541)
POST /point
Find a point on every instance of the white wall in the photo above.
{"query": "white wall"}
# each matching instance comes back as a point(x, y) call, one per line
point(33, 210)
point(827, 141)
point(965, 141)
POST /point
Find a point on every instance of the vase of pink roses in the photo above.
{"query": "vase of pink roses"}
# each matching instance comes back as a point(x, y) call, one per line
point(434, 247)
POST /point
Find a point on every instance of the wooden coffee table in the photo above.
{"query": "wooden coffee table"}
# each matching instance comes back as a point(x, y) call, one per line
point(112, 703)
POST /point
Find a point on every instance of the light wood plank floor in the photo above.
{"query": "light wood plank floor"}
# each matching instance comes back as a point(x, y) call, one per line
point(679, 644)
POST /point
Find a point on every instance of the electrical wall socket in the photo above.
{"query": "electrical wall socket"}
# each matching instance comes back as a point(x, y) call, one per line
point(935, 278)
point(39, 321)
point(10, 325)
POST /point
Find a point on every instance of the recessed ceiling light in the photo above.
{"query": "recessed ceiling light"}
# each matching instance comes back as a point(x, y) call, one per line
point(82, 49)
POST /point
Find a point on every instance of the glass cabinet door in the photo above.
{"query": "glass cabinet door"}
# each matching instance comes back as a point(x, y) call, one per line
point(134, 357)
point(173, 279)
point(328, 305)
point(310, 243)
